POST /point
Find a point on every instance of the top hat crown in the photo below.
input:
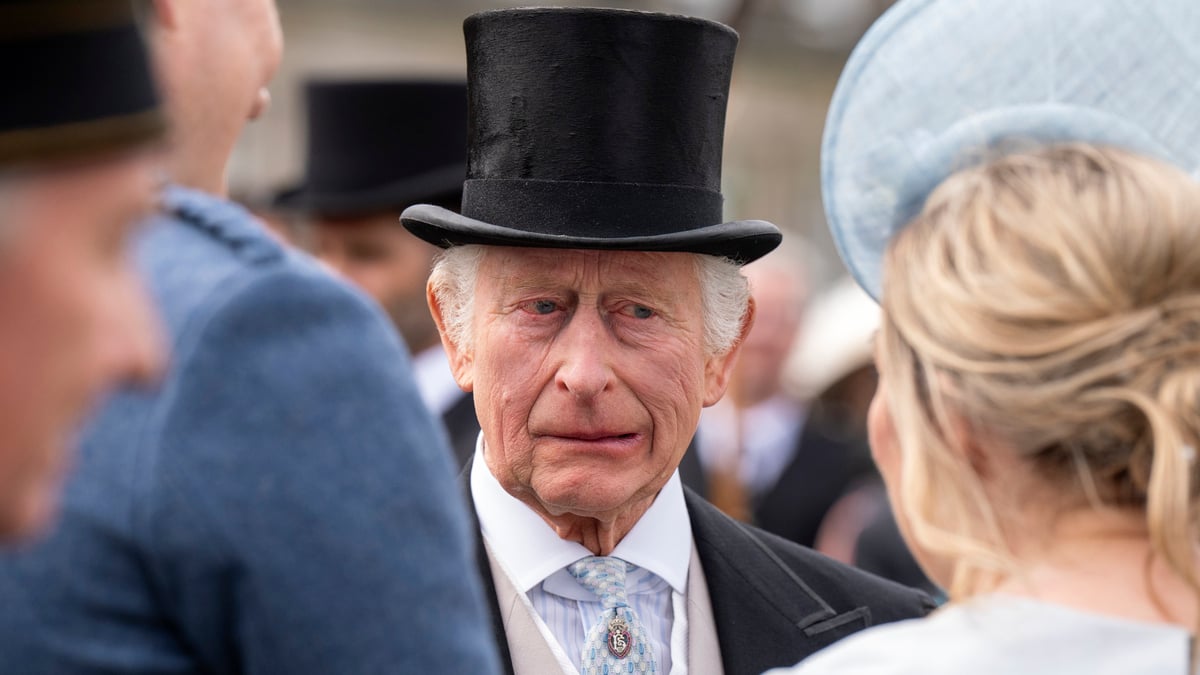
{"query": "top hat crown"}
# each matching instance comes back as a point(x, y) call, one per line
point(376, 145)
point(77, 80)
point(595, 128)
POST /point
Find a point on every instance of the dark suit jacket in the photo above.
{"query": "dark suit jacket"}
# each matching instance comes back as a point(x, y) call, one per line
point(774, 602)
point(462, 427)
point(823, 468)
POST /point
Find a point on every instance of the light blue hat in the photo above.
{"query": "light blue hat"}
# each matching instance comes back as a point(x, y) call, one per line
point(935, 84)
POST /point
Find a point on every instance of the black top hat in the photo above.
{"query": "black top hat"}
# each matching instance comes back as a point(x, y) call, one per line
point(381, 145)
point(76, 78)
point(595, 128)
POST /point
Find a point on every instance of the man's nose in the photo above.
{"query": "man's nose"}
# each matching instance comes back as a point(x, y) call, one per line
point(584, 369)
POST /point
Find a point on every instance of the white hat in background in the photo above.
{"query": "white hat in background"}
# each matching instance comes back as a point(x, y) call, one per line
point(839, 325)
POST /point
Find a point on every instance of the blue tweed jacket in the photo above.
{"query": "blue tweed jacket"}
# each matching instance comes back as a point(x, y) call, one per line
point(280, 504)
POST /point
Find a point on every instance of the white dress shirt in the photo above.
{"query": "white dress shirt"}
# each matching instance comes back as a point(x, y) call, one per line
point(535, 559)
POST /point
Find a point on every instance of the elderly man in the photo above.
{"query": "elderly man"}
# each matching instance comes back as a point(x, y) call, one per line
point(591, 299)
point(75, 174)
point(374, 148)
point(282, 503)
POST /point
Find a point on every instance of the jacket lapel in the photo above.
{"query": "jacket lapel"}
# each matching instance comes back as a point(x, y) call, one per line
point(766, 615)
point(485, 573)
point(531, 653)
point(703, 645)
point(462, 428)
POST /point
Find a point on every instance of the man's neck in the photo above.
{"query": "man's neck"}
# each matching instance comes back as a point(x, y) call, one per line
point(598, 535)
point(206, 175)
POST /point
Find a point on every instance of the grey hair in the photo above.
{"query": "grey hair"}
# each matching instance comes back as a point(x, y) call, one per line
point(453, 283)
point(725, 295)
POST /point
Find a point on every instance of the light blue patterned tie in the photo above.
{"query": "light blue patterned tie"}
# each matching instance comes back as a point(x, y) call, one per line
point(617, 642)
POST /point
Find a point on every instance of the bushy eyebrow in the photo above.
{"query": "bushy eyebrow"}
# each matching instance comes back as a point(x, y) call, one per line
point(514, 284)
point(659, 297)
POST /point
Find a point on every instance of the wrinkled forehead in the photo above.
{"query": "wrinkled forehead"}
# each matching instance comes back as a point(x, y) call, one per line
point(507, 267)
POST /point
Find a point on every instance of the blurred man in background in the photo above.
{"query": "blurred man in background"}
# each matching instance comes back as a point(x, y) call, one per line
point(750, 437)
point(376, 147)
point(283, 503)
point(830, 368)
point(75, 175)
point(788, 443)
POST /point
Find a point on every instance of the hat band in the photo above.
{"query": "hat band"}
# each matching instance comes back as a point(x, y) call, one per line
point(68, 82)
point(591, 209)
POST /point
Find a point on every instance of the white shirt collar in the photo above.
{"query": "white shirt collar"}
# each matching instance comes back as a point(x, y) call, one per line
point(661, 541)
point(435, 380)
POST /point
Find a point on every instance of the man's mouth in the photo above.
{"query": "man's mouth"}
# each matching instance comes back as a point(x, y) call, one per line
point(592, 436)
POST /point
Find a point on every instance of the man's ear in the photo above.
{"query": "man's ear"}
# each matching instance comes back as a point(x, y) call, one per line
point(461, 360)
point(719, 367)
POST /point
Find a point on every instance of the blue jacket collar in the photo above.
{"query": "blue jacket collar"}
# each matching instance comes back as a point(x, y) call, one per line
point(221, 219)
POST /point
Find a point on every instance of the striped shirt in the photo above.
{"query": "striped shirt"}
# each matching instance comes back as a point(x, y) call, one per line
point(570, 611)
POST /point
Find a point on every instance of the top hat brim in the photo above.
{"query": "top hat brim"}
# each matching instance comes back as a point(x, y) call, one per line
point(429, 186)
point(742, 241)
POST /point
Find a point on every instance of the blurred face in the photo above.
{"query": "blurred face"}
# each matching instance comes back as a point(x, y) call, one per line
point(379, 256)
point(779, 297)
point(590, 371)
point(248, 34)
point(215, 59)
point(75, 320)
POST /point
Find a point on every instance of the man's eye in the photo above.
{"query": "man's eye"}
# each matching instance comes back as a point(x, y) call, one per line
point(543, 306)
point(639, 311)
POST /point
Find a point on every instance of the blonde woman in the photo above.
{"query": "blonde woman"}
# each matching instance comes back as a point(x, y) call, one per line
point(1011, 179)
point(1036, 432)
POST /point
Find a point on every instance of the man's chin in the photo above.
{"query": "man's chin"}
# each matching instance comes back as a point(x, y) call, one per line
point(584, 497)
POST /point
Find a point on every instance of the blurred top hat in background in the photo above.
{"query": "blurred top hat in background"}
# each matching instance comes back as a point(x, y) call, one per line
point(381, 145)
